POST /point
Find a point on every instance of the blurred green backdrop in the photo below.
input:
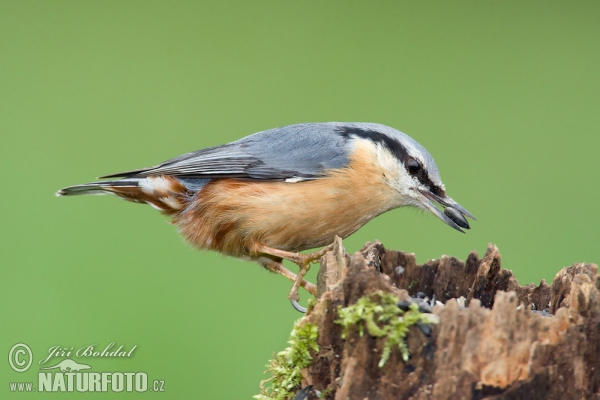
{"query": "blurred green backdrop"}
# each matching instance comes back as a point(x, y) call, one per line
point(505, 95)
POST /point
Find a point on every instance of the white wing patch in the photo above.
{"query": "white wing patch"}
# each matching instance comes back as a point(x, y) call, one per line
point(295, 179)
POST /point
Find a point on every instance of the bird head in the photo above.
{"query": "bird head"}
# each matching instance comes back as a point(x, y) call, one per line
point(411, 172)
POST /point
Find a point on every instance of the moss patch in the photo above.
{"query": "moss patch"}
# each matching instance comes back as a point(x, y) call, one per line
point(286, 367)
point(381, 316)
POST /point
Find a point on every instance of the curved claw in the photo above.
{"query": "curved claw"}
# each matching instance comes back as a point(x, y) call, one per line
point(298, 307)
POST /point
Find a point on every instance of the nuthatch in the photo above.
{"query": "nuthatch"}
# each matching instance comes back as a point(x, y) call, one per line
point(272, 194)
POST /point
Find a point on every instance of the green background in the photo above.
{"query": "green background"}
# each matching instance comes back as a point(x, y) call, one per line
point(504, 95)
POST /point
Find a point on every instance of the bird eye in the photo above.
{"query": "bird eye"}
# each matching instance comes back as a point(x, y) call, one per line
point(413, 167)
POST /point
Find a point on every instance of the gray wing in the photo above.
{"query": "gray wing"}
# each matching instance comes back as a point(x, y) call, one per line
point(295, 152)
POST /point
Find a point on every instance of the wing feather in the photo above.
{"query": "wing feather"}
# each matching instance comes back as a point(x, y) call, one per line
point(296, 152)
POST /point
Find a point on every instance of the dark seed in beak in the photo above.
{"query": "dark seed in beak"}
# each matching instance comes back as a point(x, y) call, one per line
point(456, 217)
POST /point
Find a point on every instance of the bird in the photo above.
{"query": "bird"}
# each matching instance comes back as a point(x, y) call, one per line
point(270, 195)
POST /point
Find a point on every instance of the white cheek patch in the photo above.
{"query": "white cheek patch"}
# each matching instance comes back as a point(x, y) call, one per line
point(389, 163)
point(400, 179)
point(396, 175)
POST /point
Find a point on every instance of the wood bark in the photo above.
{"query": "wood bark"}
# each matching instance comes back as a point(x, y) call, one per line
point(495, 348)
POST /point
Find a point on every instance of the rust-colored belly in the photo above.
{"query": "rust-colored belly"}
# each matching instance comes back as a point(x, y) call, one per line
point(235, 217)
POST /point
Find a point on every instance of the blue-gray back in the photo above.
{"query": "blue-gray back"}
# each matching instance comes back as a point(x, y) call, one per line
point(295, 152)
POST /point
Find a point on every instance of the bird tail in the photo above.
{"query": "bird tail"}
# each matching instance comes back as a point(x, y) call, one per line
point(165, 193)
point(107, 187)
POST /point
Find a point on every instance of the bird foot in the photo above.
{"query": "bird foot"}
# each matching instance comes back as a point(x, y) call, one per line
point(303, 261)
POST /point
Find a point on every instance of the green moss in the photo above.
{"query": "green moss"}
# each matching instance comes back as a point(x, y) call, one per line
point(378, 313)
point(381, 316)
point(286, 367)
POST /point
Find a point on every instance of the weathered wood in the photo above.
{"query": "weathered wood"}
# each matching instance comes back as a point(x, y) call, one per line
point(496, 348)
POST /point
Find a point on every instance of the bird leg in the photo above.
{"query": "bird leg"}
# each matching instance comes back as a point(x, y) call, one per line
point(278, 268)
point(303, 261)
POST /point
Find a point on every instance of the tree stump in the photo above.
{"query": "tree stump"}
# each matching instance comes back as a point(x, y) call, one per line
point(497, 347)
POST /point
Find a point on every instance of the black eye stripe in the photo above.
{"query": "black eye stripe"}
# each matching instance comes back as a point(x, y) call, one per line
point(415, 168)
point(398, 150)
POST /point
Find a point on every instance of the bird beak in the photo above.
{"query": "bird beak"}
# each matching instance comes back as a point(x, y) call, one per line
point(454, 214)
